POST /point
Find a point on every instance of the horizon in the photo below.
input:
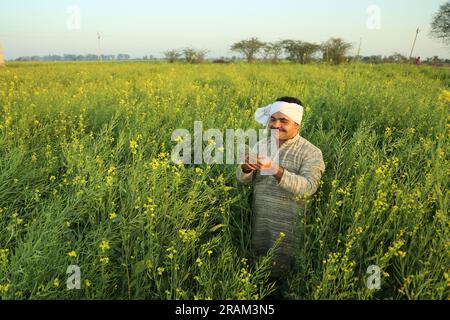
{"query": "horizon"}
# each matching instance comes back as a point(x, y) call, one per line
point(141, 28)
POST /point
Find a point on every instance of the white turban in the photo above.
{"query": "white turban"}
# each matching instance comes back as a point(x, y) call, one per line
point(292, 110)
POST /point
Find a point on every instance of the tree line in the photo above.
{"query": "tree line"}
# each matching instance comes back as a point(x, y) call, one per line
point(333, 51)
point(75, 57)
point(189, 57)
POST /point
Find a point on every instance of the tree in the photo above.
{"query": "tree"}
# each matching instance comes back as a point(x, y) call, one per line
point(201, 55)
point(194, 56)
point(249, 48)
point(123, 56)
point(398, 57)
point(70, 57)
point(190, 55)
point(373, 59)
point(94, 57)
point(440, 26)
point(300, 51)
point(273, 51)
point(335, 49)
point(172, 55)
point(435, 61)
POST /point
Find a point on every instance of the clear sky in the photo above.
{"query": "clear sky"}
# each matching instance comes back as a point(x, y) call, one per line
point(138, 27)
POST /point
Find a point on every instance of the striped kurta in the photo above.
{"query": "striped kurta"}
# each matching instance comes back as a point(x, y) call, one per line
point(276, 206)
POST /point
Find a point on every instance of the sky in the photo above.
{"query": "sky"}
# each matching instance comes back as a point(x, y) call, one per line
point(138, 27)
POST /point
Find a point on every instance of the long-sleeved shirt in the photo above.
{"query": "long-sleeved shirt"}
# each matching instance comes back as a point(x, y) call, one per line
point(276, 205)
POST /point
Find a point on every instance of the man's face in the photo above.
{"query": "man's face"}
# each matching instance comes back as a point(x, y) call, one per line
point(288, 129)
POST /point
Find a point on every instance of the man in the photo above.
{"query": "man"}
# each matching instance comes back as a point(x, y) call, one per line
point(279, 197)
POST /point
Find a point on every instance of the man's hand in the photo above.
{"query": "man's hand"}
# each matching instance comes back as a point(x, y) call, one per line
point(265, 165)
point(250, 165)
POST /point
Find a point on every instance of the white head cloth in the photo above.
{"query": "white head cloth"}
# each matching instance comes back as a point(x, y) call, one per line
point(292, 110)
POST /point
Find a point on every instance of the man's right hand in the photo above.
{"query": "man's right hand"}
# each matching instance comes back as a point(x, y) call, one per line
point(248, 166)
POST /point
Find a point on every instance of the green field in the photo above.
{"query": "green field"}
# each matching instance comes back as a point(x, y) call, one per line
point(86, 180)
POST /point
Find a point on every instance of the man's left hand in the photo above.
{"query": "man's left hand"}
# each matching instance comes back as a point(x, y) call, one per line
point(269, 168)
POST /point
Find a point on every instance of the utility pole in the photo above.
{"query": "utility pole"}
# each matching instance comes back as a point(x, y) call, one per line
point(2, 58)
point(414, 43)
point(359, 49)
point(100, 50)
